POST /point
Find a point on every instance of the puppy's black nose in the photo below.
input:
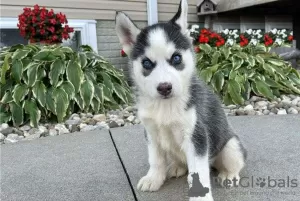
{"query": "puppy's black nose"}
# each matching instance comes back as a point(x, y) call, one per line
point(164, 88)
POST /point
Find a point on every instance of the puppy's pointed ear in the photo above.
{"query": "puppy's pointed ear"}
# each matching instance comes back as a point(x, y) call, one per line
point(181, 16)
point(126, 31)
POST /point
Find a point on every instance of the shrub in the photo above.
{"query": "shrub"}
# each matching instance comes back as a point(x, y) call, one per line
point(46, 82)
point(235, 73)
point(41, 25)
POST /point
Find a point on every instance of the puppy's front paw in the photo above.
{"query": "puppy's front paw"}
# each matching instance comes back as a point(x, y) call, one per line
point(176, 171)
point(150, 183)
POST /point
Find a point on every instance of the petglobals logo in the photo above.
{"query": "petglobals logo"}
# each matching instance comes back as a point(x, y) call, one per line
point(257, 182)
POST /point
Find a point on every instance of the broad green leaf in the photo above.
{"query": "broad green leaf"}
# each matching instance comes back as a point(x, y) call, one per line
point(99, 93)
point(107, 94)
point(206, 75)
point(19, 93)
point(66, 49)
point(39, 92)
point(7, 98)
point(79, 101)
point(20, 54)
point(69, 89)
point(206, 48)
point(232, 74)
point(30, 65)
point(254, 89)
point(247, 91)
point(34, 113)
point(95, 105)
point(87, 92)
point(16, 113)
point(264, 89)
point(90, 75)
point(50, 102)
point(56, 69)
point(271, 83)
point(41, 74)
point(120, 92)
point(215, 58)
point(251, 60)
point(276, 62)
point(58, 52)
point(234, 89)
point(74, 75)
point(226, 52)
point(4, 117)
point(44, 55)
point(237, 62)
point(106, 81)
point(17, 70)
point(227, 99)
point(5, 68)
point(5, 87)
point(295, 79)
point(32, 75)
point(83, 60)
point(260, 59)
point(218, 81)
point(61, 103)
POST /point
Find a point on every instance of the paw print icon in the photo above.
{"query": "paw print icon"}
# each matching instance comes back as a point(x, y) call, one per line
point(261, 182)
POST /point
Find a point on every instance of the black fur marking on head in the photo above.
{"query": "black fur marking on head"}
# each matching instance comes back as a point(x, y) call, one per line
point(172, 32)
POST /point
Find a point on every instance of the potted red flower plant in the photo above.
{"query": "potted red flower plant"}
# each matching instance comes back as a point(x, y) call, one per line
point(39, 25)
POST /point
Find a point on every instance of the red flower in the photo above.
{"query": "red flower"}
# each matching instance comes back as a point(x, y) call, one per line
point(54, 38)
point(36, 7)
point(290, 38)
point(42, 32)
point(197, 49)
point(268, 40)
point(52, 29)
point(123, 54)
point(205, 31)
point(39, 24)
point(52, 21)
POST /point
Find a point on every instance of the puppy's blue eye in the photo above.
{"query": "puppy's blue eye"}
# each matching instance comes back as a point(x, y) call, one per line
point(147, 64)
point(176, 59)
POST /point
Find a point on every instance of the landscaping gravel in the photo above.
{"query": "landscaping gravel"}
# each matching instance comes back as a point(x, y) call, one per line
point(286, 104)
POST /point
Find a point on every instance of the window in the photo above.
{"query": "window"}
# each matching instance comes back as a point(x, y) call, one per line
point(84, 34)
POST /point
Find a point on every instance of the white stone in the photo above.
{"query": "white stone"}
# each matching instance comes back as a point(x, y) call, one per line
point(82, 125)
point(99, 117)
point(2, 137)
point(282, 112)
point(295, 101)
point(25, 128)
point(292, 111)
point(248, 107)
point(61, 129)
point(131, 118)
point(4, 126)
point(53, 132)
point(11, 138)
point(258, 113)
point(262, 105)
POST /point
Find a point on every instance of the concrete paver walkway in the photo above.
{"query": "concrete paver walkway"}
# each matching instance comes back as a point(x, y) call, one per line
point(103, 166)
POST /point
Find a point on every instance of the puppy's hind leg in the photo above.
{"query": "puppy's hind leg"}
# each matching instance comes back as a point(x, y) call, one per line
point(231, 160)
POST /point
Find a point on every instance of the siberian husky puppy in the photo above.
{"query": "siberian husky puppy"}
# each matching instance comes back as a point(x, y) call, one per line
point(185, 125)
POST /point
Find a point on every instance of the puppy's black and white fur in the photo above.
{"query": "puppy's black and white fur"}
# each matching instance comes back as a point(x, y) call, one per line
point(186, 127)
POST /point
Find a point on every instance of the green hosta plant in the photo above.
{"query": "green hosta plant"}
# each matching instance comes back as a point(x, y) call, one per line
point(46, 82)
point(235, 73)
